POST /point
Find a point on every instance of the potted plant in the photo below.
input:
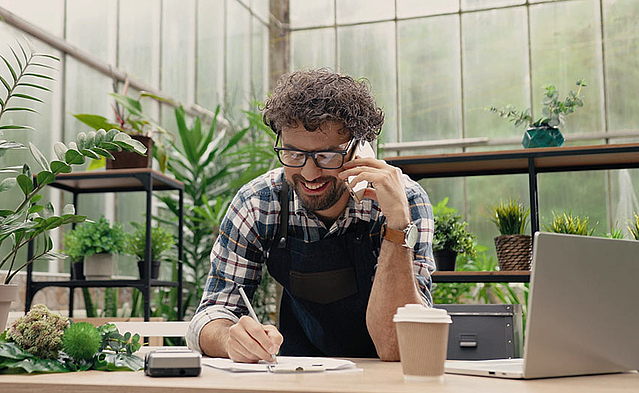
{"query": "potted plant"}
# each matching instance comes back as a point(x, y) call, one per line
point(514, 248)
point(131, 120)
point(544, 132)
point(32, 219)
point(634, 227)
point(451, 237)
point(570, 224)
point(72, 247)
point(161, 242)
point(99, 242)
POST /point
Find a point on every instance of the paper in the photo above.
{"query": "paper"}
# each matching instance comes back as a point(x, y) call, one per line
point(292, 363)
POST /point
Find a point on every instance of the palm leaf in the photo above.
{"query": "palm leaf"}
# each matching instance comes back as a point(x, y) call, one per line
point(5, 83)
point(17, 58)
point(27, 97)
point(33, 85)
point(13, 73)
point(38, 76)
point(16, 109)
point(46, 55)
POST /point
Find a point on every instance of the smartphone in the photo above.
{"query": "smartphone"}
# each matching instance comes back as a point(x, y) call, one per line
point(362, 150)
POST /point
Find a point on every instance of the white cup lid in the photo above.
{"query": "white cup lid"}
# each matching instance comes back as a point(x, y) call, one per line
point(419, 313)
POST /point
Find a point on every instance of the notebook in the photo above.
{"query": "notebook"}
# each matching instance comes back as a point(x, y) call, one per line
point(583, 313)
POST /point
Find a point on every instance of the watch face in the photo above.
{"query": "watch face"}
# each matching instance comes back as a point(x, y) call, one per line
point(411, 236)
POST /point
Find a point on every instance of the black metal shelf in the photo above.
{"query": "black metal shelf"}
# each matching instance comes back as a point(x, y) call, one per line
point(118, 180)
point(520, 161)
point(476, 277)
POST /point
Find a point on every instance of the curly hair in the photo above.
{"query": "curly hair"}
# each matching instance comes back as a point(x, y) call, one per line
point(314, 97)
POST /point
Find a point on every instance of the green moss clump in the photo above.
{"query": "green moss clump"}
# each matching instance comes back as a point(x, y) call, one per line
point(81, 341)
point(39, 332)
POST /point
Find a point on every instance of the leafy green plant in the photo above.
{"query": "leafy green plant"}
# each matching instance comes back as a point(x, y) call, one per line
point(99, 237)
point(451, 231)
point(31, 221)
point(161, 241)
point(213, 163)
point(570, 224)
point(633, 227)
point(553, 110)
point(131, 120)
point(511, 218)
point(615, 233)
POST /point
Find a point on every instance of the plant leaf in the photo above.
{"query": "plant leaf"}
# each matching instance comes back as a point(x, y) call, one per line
point(40, 158)
point(27, 97)
point(13, 73)
point(45, 177)
point(17, 58)
point(25, 183)
point(60, 167)
point(38, 76)
point(34, 86)
point(73, 157)
point(16, 109)
point(103, 152)
point(60, 149)
point(7, 184)
point(16, 127)
point(5, 83)
point(95, 121)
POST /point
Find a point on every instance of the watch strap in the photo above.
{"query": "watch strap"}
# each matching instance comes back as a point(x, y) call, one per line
point(394, 235)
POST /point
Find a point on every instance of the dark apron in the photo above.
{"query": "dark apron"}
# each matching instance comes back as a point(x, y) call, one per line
point(326, 289)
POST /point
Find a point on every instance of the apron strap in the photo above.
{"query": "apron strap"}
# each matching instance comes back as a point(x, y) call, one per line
point(283, 230)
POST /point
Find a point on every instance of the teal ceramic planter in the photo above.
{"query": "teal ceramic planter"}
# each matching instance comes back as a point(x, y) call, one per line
point(542, 137)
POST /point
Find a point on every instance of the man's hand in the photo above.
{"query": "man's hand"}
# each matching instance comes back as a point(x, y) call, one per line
point(388, 184)
point(249, 341)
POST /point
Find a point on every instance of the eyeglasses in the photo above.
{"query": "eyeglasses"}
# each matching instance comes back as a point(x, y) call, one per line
point(325, 159)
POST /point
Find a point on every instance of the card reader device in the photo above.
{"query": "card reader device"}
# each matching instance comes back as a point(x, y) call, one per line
point(173, 363)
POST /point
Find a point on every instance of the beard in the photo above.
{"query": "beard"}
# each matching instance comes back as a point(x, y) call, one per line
point(334, 191)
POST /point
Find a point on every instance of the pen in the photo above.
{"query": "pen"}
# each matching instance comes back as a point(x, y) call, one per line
point(252, 312)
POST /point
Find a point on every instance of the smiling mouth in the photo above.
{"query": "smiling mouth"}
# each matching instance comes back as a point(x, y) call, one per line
point(314, 187)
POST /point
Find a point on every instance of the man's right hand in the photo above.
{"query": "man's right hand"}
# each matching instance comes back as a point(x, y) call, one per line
point(249, 341)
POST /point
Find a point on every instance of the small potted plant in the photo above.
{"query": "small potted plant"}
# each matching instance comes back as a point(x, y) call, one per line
point(451, 237)
point(570, 224)
point(73, 248)
point(161, 242)
point(99, 242)
point(544, 132)
point(514, 248)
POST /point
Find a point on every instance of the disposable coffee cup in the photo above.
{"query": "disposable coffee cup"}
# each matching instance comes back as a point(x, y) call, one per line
point(422, 334)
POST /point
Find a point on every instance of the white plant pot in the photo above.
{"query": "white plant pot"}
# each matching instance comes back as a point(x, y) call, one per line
point(8, 293)
point(99, 267)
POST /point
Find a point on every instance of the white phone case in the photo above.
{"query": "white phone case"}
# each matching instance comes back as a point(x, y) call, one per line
point(363, 150)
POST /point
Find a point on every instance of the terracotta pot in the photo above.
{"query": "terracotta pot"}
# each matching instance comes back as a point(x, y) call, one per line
point(445, 260)
point(8, 293)
point(126, 159)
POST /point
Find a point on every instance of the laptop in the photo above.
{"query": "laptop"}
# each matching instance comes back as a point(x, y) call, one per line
point(583, 311)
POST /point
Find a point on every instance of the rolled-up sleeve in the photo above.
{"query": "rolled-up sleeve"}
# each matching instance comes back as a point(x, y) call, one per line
point(236, 259)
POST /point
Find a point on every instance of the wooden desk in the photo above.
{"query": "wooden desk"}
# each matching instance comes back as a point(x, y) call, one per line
point(377, 376)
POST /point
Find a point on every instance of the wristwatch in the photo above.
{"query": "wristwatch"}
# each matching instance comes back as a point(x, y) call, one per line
point(406, 237)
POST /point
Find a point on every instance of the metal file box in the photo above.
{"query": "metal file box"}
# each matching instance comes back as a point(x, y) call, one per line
point(484, 331)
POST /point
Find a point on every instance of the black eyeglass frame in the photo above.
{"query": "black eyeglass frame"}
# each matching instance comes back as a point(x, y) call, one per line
point(312, 154)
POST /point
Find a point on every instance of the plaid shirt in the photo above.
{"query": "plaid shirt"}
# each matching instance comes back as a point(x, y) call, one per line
point(250, 227)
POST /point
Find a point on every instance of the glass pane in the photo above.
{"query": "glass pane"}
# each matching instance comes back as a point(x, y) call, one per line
point(566, 46)
point(579, 193)
point(355, 11)
point(138, 43)
point(209, 86)
point(304, 13)
point(621, 41)
point(82, 19)
point(368, 51)
point(412, 8)
point(261, 9)
point(49, 16)
point(177, 41)
point(430, 78)
point(495, 64)
point(624, 188)
point(469, 5)
point(313, 48)
point(238, 63)
point(259, 61)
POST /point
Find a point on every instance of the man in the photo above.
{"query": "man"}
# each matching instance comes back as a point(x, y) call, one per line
point(345, 267)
